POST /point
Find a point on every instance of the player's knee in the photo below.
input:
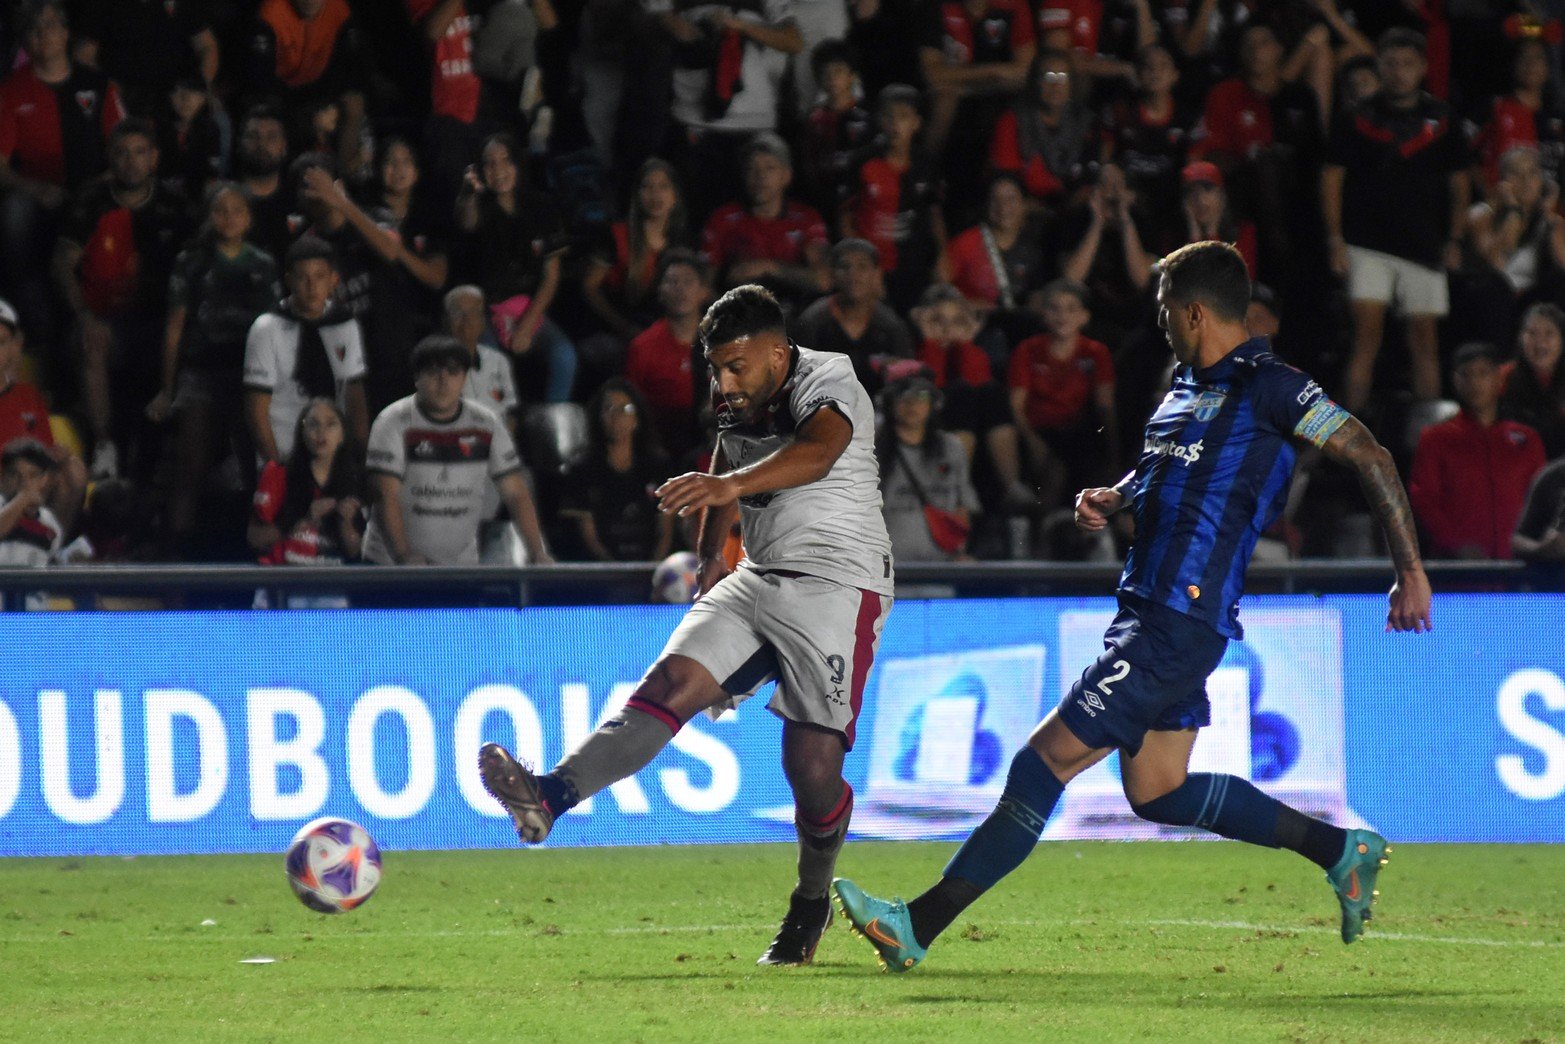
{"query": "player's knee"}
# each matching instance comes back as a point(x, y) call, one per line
point(1178, 806)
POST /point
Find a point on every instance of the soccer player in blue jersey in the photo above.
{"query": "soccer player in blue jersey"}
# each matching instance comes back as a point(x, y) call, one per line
point(1214, 471)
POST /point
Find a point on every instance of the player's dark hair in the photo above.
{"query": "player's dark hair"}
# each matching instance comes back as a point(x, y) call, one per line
point(133, 127)
point(1213, 273)
point(1401, 36)
point(742, 312)
point(309, 247)
point(645, 446)
point(345, 479)
point(26, 448)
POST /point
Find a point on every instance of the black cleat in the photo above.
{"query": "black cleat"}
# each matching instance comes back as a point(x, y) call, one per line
point(800, 933)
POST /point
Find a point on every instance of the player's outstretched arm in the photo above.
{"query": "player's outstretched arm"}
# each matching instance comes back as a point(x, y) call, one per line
point(711, 538)
point(815, 448)
point(1352, 444)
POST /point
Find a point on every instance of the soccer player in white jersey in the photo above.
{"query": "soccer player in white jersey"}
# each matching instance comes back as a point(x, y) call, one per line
point(432, 457)
point(795, 460)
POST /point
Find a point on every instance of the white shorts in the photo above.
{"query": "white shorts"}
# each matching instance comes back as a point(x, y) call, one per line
point(817, 638)
point(1414, 289)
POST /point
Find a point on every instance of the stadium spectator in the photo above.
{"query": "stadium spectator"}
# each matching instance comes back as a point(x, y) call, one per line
point(112, 264)
point(220, 285)
point(191, 141)
point(997, 263)
point(922, 466)
point(1047, 137)
point(489, 377)
point(147, 48)
point(513, 242)
point(431, 457)
point(1515, 250)
point(896, 199)
point(30, 535)
point(1357, 80)
point(1531, 114)
point(305, 56)
point(1148, 135)
point(729, 64)
point(1534, 383)
point(393, 255)
point(837, 128)
point(820, 22)
point(1062, 397)
point(664, 361)
point(259, 159)
point(308, 347)
point(608, 496)
point(620, 285)
point(977, 407)
point(310, 511)
point(769, 238)
point(454, 130)
point(1395, 201)
point(1208, 215)
point(1540, 532)
point(55, 118)
point(1102, 38)
point(1471, 473)
point(1105, 253)
point(854, 320)
point(25, 415)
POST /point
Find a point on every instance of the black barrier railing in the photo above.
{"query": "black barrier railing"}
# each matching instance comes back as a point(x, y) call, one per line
point(237, 586)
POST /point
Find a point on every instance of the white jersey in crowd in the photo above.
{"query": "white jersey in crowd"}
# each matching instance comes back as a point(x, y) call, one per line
point(271, 355)
point(445, 468)
point(831, 527)
point(33, 542)
point(491, 382)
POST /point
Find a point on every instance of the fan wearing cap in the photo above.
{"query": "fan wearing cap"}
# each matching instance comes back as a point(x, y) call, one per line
point(1207, 213)
point(432, 456)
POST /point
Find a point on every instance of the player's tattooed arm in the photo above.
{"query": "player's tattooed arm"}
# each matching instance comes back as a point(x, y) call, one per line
point(1356, 447)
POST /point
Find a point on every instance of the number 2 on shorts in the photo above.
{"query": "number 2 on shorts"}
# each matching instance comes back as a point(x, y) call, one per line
point(1121, 668)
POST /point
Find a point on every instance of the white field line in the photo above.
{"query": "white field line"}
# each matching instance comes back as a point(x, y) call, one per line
point(1371, 933)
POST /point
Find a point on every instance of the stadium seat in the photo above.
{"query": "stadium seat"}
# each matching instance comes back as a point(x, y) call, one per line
point(554, 436)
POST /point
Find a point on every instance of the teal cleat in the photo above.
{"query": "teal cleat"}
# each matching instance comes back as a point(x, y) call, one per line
point(1353, 879)
point(885, 925)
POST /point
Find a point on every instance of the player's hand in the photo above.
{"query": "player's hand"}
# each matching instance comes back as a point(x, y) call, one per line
point(1094, 506)
point(1409, 600)
point(695, 490)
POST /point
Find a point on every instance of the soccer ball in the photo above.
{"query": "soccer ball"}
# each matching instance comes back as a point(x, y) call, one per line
point(333, 865)
point(677, 578)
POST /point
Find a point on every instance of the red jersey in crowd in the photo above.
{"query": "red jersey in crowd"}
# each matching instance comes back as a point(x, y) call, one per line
point(994, 36)
point(659, 364)
point(1082, 18)
point(454, 86)
point(892, 205)
point(56, 132)
point(1237, 121)
point(734, 234)
point(23, 414)
point(964, 362)
point(1059, 391)
point(1005, 153)
point(1469, 483)
point(1510, 124)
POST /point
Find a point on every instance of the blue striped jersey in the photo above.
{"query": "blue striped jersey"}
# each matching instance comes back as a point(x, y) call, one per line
point(1215, 466)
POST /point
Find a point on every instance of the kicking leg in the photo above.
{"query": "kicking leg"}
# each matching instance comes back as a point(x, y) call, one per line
point(674, 690)
point(823, 804)
point(1161, 790)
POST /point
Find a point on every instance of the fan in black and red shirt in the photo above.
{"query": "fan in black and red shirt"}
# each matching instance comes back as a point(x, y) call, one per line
point(112, 263)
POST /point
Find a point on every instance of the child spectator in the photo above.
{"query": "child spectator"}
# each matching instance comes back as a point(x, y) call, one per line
point(1062, 397)
point(514, 243)
point(977, 407)
point(432, 457)
point(309, 511)
point(220, 285)
point(853, 320)
point(1047, 138)
point(921, 466)
point(29, 532)
point(306, 348)
point(25, 415)
point(1534, 383)
point(836, 130)
point(664, 362)
point(608, 496)
point(896, 200)
point(1473, 451)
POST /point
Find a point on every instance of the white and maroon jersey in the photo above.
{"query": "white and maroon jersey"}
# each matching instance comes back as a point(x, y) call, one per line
point(445, 468)
point(831, 527)
point(491, 381)
point(272, 353)
point(33, 542)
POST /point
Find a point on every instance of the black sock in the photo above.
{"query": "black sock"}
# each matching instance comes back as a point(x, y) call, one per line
point(933, 912)
point(808, 910)
point(557, 794)
point(1319, 842)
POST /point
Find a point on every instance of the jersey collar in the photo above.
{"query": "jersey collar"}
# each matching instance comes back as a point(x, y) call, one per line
point(1244, 354)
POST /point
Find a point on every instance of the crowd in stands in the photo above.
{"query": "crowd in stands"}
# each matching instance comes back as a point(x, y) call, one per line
point(318, 281)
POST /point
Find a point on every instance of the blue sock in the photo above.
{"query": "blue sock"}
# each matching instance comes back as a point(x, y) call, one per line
point(1223, 804)
point(1008, 836)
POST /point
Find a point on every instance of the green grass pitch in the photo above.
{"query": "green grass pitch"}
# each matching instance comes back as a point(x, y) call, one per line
point(1198, 941)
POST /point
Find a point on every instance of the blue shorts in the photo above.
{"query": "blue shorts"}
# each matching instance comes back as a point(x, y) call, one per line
point(1151, 676)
